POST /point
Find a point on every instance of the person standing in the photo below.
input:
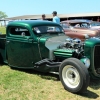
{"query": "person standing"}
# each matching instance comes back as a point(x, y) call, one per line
point(56, 19)
point(43, 17)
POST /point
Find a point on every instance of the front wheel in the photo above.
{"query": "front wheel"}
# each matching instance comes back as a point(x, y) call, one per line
point(74, 75)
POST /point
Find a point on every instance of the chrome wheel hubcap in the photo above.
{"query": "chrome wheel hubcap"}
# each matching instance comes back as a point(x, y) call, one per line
point(70, 76)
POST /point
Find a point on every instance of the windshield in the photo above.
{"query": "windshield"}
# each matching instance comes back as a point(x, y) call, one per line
point(65, 26)
point(47, 29)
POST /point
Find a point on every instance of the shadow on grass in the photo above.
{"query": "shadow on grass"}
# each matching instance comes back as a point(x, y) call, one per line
point(89, 94)
point(48, 76)
point(55, 77)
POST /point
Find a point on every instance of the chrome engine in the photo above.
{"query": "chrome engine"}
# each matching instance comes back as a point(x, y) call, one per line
point(74, 43)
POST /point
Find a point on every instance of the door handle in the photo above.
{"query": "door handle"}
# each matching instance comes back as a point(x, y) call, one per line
point(30, 40)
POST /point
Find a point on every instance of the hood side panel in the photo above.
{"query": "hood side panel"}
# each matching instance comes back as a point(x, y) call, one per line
point(64, 53)
point(53, 43)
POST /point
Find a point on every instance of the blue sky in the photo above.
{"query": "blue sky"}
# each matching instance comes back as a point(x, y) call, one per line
point(31, 7)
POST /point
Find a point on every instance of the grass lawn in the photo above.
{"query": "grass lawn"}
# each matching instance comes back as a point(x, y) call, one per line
point(31, 85)
point(3, 30)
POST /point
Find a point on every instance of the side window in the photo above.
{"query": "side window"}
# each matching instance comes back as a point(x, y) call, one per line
point(19, 31)
point(65, 26)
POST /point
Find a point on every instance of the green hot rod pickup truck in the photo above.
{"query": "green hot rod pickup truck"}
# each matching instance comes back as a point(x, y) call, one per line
point(33, 44)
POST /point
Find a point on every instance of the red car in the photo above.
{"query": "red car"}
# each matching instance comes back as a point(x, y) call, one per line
point(82, 29)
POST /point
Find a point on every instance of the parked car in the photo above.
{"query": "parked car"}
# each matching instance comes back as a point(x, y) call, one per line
point(29, 45)
point(82, 29)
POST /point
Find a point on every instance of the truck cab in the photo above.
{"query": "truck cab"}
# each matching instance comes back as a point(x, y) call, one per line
point(25, 42)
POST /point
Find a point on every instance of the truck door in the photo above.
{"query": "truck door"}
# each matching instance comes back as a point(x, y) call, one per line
point(22, 50)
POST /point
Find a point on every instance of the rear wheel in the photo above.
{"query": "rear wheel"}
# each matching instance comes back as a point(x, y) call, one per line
point(74, 75)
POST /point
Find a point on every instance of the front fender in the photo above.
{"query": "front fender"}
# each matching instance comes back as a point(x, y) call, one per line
point(85, 61)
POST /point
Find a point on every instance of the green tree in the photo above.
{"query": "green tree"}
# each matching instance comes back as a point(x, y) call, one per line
point(3, 15)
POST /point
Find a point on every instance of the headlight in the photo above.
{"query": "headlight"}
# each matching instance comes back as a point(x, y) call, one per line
point(86, 36)
point(86, 62)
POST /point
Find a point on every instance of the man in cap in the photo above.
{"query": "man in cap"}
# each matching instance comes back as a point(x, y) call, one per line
point(56, 19)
